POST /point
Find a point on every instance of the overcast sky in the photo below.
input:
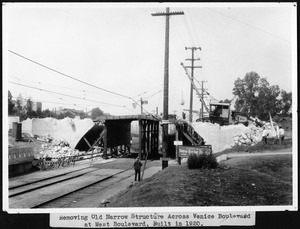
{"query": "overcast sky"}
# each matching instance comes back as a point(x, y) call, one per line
point(120, 48)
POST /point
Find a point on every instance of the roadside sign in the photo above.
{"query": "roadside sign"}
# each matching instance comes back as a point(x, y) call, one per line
point(178, 143)
point(134, 105)
point(165, 122)
point(185, 151)
point(165, 159)
point(144, 102)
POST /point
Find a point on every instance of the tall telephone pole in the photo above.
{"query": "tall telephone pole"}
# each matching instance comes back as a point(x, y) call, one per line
point(167, 14)
point(192, 75)
point(202, 95)
point(141, 105)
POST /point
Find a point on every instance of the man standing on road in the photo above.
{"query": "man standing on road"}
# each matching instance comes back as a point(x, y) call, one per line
point(265, 135)
point(281, 135)
point(137, 167)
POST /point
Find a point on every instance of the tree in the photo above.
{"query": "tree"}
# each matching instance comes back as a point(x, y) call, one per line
point(11, 104)
point(256, 97)
point(30, 113)
point(96, 113)
point(19, 103)
point(46, 113)
point(225, 101)
point(286, 102)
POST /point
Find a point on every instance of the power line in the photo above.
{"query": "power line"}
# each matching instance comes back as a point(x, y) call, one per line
point(40, 89)
point(177, 33)
point(252, 26)
point(44, 66)
point(68, 76)
point(74, 104)
point(130, 110)
point(189, 14)
point(145, 92)
point(153, 94)
point(57, 86)
point(177, 47)
point(189, 31)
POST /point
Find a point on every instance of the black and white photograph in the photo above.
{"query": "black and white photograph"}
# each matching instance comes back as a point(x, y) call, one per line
point(149, 107)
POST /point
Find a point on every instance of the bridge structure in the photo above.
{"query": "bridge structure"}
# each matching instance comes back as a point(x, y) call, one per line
point(118, 133)
point(114, 135)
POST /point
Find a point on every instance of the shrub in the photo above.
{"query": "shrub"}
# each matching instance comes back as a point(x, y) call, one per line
point(205, 161)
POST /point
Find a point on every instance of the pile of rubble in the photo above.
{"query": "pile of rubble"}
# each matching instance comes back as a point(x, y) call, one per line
point(224, 137)
point(254, 135)
point(57, 149)
point(250, 138)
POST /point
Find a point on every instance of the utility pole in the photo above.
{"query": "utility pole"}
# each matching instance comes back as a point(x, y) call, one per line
point(202, 96)
point(192, 75)
point(167, 14)
point(142, 103)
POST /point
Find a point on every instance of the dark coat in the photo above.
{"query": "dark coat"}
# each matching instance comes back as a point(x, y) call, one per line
point(137, 165)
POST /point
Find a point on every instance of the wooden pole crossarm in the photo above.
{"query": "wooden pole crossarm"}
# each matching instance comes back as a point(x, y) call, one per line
point(194, 86)
point(168, 14)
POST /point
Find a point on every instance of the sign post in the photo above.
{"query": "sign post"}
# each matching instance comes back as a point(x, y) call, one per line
point(185, 151)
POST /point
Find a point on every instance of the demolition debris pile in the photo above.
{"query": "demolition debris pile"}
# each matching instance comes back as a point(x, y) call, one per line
point(248, 138)
point(57, 149)
point(70, 130)
point(55, 153)
point(224, 137)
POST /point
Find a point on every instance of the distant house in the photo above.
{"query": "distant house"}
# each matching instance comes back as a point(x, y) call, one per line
point(11, 120)
point(36, 106)
point(67, 112)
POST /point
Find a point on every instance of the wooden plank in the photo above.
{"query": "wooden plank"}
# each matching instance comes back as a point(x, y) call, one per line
point(87, 142)
point(48, 182)
point(43, 195)
point(98, 139)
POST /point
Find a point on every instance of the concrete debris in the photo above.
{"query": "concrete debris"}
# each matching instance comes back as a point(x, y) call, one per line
point(250, 138)
point(57, 149)
point(27, 137)
point(44, 138)
point(224, 137)
point(71, 130)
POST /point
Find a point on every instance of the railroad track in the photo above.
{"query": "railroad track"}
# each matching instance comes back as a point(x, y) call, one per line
point(82, 186)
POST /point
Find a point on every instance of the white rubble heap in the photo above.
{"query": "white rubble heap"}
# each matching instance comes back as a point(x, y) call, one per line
point(248, 138)
point(57, 149)
point(70, 130)
point(224, 137)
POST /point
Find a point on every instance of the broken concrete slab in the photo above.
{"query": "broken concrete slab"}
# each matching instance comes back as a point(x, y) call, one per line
point(67, 129)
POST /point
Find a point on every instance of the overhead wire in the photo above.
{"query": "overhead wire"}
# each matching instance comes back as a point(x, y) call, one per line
point(250, 25)
point(189, 31)
point(73, 78)
point(145, 92)
point(153, 94)
point(68, 76)
point(189, 14)
point(58, 86)
point(214, 39)
point(78, 105)
point(58, 93)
